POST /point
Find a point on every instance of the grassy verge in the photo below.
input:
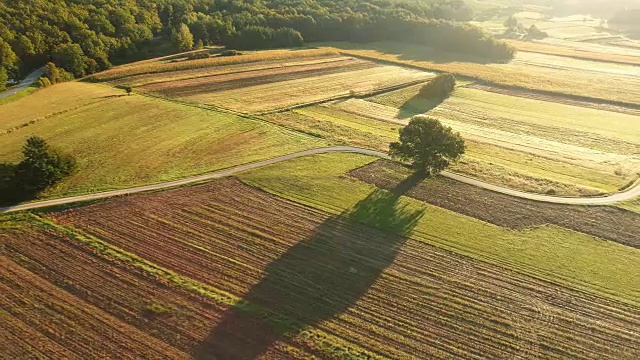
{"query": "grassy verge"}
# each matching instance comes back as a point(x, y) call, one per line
point(549, 252)
point(19, 95)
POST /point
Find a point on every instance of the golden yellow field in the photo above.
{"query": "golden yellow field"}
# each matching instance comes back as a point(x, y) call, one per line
point(275, 84)
point(548, 73)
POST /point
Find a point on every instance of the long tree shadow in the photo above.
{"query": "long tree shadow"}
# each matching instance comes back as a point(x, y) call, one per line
point(318, 278)
point(417, 105)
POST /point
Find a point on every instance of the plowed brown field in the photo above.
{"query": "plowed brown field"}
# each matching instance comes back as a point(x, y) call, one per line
point(392, 296)
point(60, 300)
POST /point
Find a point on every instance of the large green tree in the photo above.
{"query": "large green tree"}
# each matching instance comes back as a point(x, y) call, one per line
point(71, 58)
point(3, 79)
point(428, 145)
point(42, 166)
point(182, 38)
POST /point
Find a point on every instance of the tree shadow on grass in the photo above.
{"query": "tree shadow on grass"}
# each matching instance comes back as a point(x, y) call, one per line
point(318, 278)
point(11, 193)
point(417, 105)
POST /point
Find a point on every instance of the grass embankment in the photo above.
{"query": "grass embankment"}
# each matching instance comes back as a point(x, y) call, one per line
point(577, 78)
point(549, 252)
point(122, 141)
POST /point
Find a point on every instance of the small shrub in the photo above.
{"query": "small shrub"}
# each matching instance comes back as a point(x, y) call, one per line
point(44, 82)
point(127, 88)
point(440, 87)
point(198, 55)
point(535, 33)
point(230, 53)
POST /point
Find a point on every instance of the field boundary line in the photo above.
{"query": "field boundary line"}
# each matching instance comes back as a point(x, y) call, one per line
point(361, 95)
point(631, 192)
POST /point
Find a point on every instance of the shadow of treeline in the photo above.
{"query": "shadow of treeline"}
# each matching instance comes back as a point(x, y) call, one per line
point(318, 278)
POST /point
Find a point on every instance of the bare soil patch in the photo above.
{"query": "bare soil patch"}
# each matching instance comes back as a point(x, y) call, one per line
point(396, 297)
point(606, 222)
point(63, 300)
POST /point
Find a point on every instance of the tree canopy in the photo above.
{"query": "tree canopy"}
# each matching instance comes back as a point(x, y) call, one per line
point(87, 36)
point(440, 87)
point(428, 145)
point(40, 168)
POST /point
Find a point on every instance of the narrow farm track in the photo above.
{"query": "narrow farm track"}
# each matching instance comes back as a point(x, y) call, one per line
point(630, 193)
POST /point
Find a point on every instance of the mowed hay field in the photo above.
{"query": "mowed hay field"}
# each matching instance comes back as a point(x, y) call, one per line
point(274, 84)
point(122, 141)
point(594, 141)
point(560, 149)
point(377, 293)
point(541, 72)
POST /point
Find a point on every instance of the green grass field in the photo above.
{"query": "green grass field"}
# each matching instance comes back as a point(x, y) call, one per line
point(495, 164)
point(549, 252)
point(122, 141)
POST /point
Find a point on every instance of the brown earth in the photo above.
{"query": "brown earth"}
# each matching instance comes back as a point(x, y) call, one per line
point(61, 300)
point(390, 295)
point(606, 222)
point(208, 84)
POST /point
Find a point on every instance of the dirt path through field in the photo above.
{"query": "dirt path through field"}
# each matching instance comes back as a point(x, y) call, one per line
point(630, 193)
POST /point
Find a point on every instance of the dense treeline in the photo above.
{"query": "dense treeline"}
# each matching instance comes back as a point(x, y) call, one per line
point(85, 36)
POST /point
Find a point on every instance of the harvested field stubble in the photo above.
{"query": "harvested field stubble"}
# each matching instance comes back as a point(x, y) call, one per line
point(507, 211)
point(146, 79)
point(573, 77)
point(216, 83)
point(494, 164)
point(146, 67)
point(401, 297)
point(263, 94)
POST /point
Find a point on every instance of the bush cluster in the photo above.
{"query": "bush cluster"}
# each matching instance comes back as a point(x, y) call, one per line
point(440, 87)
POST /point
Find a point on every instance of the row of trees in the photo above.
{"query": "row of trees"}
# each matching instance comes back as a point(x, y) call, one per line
point(83, 37)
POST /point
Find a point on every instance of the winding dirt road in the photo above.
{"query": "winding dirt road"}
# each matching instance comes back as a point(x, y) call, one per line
point(30, 79)
point(628, 194)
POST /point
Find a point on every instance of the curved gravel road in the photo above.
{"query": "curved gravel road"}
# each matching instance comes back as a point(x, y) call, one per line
point(30, 79)
point(628, 194)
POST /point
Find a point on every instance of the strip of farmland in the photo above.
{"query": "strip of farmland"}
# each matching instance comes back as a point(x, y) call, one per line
point(154, 66)
point(396, 297)
point(146, 79)
point(313, 88)
point(210, 84)
point(337, 122)
point(60, 299)
point(601, 221)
